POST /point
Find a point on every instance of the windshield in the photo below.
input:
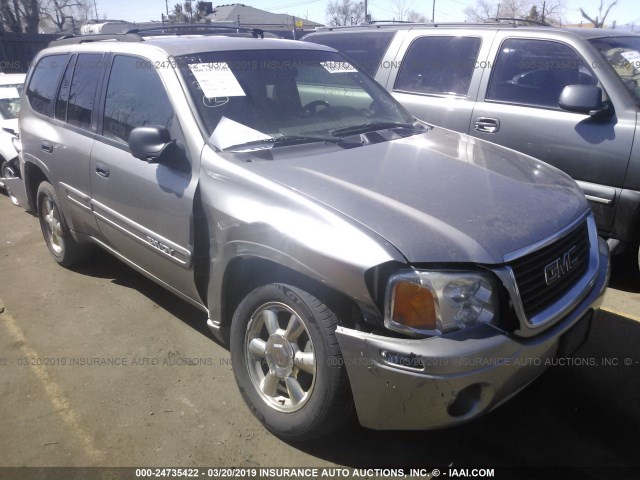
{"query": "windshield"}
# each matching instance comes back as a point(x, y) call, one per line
point(274, 97)
point(623, 54)
point(10, 101)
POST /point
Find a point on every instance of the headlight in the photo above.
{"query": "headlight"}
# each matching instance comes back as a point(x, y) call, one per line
point(433, 303)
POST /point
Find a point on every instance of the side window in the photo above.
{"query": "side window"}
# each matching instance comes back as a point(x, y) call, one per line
point(43, 85)
point(534, 72)
point(135, 97)
point(439, 65)
point(365, 50)
point(63, 95)
point(83, 89)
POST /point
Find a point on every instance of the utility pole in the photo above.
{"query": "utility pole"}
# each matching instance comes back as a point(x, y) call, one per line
point(166, 5)
point(367, 17)
point(433, 12)
point(95, 7)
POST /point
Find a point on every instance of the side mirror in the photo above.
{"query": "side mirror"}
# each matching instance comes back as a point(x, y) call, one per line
point(586, 99)
point(150, 143)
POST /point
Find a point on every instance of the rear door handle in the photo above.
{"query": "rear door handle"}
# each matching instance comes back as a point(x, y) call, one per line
point(102, 170)
point(47, 146)
point(486, 125)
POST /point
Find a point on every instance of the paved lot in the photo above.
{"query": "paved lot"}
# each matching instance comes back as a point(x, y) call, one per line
point(149, 408)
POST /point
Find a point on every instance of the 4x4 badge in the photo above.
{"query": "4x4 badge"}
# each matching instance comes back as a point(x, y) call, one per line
point(557, 269)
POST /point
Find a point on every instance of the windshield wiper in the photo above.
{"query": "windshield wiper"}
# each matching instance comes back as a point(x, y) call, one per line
point(370, 127)
point(283, 141)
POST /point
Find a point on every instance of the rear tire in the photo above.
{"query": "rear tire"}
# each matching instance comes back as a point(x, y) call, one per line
point(287, 362)
point(61, 244)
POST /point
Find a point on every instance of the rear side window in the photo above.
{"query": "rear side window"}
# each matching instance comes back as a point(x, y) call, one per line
point(439, 65)
point(534, 72)
point(43, 85)
point(135, 97)
point(365, 50)
point(83, 90)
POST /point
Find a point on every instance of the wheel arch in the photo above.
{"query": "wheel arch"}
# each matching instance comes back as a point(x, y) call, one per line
point(243, 274)
point(33, 177)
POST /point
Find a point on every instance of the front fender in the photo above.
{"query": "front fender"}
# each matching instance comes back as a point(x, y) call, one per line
point(248, 216)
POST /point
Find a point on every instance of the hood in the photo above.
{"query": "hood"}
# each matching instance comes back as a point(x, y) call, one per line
point(439, 196)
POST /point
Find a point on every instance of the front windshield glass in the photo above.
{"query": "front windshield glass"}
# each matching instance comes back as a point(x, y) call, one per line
point(623, 54)
point(272, 96)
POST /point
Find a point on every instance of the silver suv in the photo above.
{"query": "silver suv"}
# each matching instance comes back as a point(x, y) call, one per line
point(349, 254)
point(569, 97)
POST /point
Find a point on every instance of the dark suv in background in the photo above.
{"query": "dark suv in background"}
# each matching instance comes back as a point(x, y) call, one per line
point(569, 97)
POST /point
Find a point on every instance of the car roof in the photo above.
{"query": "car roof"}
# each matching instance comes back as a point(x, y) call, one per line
point(176, 45)
point(586, 33)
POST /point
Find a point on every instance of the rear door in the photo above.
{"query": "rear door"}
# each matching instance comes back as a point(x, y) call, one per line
point(519, 109)
point(61, 130)
point(439, 73)
point(145, 210)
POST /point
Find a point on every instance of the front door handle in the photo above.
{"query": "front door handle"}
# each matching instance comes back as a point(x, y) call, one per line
point(486, 125)
point(47, 146)
point(102, 170)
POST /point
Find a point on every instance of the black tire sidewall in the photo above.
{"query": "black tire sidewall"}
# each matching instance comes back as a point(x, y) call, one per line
point(307, 422)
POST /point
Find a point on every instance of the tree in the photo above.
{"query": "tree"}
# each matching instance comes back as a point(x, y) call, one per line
point(186, 13)
point(59, 11)
point(548, 11)
point(400, 9)
point(599, 20)
point(345, 12)
point(20, 15)
point(413, 16)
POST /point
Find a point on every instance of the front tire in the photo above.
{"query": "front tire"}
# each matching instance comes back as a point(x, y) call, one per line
point(287, 362)
point(62, 246)
point(8, 170)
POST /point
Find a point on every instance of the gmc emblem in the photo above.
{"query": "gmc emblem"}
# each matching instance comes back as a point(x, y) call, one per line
point(557, 269)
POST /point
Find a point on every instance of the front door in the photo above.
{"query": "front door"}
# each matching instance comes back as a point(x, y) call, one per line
point(144, 210)
point(520, 111)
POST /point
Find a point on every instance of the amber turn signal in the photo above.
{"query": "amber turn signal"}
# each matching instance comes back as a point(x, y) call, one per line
point(414, 306)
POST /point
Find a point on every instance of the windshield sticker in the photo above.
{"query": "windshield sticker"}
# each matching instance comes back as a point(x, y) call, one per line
point(216, 80)
point(633, 57)
point(8, 92)
point(229, 133)
point(338, 67)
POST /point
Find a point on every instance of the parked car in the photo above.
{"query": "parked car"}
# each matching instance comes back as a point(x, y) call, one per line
point(569, 97)
point(10, 92)
point(350, 254)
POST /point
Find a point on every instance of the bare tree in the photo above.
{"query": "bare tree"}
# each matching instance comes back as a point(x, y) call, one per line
point(401, 9)
point(20, 15)
point(599, 20)
point(59, 11)
point(413, 16)
point(483, 10)
point(549, 11)
point(345, 12)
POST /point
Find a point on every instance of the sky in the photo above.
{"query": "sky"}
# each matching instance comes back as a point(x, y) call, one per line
point(625, 12)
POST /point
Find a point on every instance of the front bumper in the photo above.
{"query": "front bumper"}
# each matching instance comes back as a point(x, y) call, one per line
point(403, 384)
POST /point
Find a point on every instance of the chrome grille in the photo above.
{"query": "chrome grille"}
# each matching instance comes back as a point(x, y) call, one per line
point(529, 271)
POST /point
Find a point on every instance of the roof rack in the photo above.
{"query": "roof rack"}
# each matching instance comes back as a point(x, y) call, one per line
point(528, 21)
point(138, 34)
point(194, 29)
point(76, 39)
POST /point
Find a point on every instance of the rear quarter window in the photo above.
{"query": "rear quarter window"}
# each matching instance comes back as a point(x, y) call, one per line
point(364, 50)
point(44, 81)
